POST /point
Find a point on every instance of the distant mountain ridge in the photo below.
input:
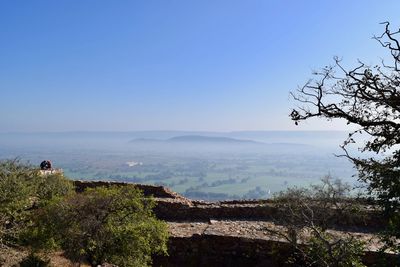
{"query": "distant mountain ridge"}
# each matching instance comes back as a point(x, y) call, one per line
point(209, 139)
point(111, 140)
point(197, 139)
point(215, 140)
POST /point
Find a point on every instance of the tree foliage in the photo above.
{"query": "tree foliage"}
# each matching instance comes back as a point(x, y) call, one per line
point(114, 225)
point(22, 188)
point(43, 212)
point(369, 98)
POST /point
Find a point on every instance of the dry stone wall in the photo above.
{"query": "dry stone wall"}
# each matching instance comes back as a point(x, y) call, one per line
point(228, 233)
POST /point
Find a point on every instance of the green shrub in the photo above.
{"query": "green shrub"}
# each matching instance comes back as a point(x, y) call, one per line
point(22, 188)
point(33, 260)
point(114, 225)
point(324, 249)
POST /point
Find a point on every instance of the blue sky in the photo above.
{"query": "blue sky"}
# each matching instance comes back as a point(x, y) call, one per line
point(217, 65)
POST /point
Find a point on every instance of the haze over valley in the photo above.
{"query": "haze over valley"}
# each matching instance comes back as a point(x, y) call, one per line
point(199, 165)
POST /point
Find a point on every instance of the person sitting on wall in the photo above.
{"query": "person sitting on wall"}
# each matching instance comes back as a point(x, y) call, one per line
point(45, 165)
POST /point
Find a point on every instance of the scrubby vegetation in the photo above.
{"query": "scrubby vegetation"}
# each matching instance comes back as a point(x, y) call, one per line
point(43, 213)
point(306, 215)
point(22, 190)
point(116, 224)
point(113, 225)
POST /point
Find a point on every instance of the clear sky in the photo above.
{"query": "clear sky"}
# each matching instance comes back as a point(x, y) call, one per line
point(214, 65)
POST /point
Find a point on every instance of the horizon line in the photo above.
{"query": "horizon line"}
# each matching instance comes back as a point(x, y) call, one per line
point(142, 131)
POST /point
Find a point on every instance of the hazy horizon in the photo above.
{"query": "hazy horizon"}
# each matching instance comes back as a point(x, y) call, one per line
point(79, 80)
point(200, 165)
point(170, 130)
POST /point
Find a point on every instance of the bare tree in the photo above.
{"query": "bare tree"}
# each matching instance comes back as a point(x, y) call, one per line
point(303, 220)
point(368, 97)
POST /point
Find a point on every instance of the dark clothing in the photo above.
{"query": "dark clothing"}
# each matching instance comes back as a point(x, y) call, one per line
point(45, 165)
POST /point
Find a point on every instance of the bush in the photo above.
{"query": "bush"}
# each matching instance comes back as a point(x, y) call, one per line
point(114, 225)
point(22, 188)
point(306, 214)
point(324, 249)
point(326, 204)
point(33, 260)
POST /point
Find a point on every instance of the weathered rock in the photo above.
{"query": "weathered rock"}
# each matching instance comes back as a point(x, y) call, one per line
point(234, 233)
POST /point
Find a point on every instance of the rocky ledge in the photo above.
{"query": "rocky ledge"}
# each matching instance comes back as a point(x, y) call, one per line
point(233, 233)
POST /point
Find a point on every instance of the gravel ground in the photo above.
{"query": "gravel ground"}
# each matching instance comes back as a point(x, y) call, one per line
point(255, 230)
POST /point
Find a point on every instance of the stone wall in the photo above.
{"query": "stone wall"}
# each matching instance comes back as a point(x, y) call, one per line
point(216, 242)
point(156, 191)
point(171, 210)
point(213, 250)
point(208, 250)
point(173, 207)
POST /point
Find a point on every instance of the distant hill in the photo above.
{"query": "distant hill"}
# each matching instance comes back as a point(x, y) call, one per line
point(322, 139)
point(146, 140)
point(209, 139)
point(218, 140)
point(196, 139)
